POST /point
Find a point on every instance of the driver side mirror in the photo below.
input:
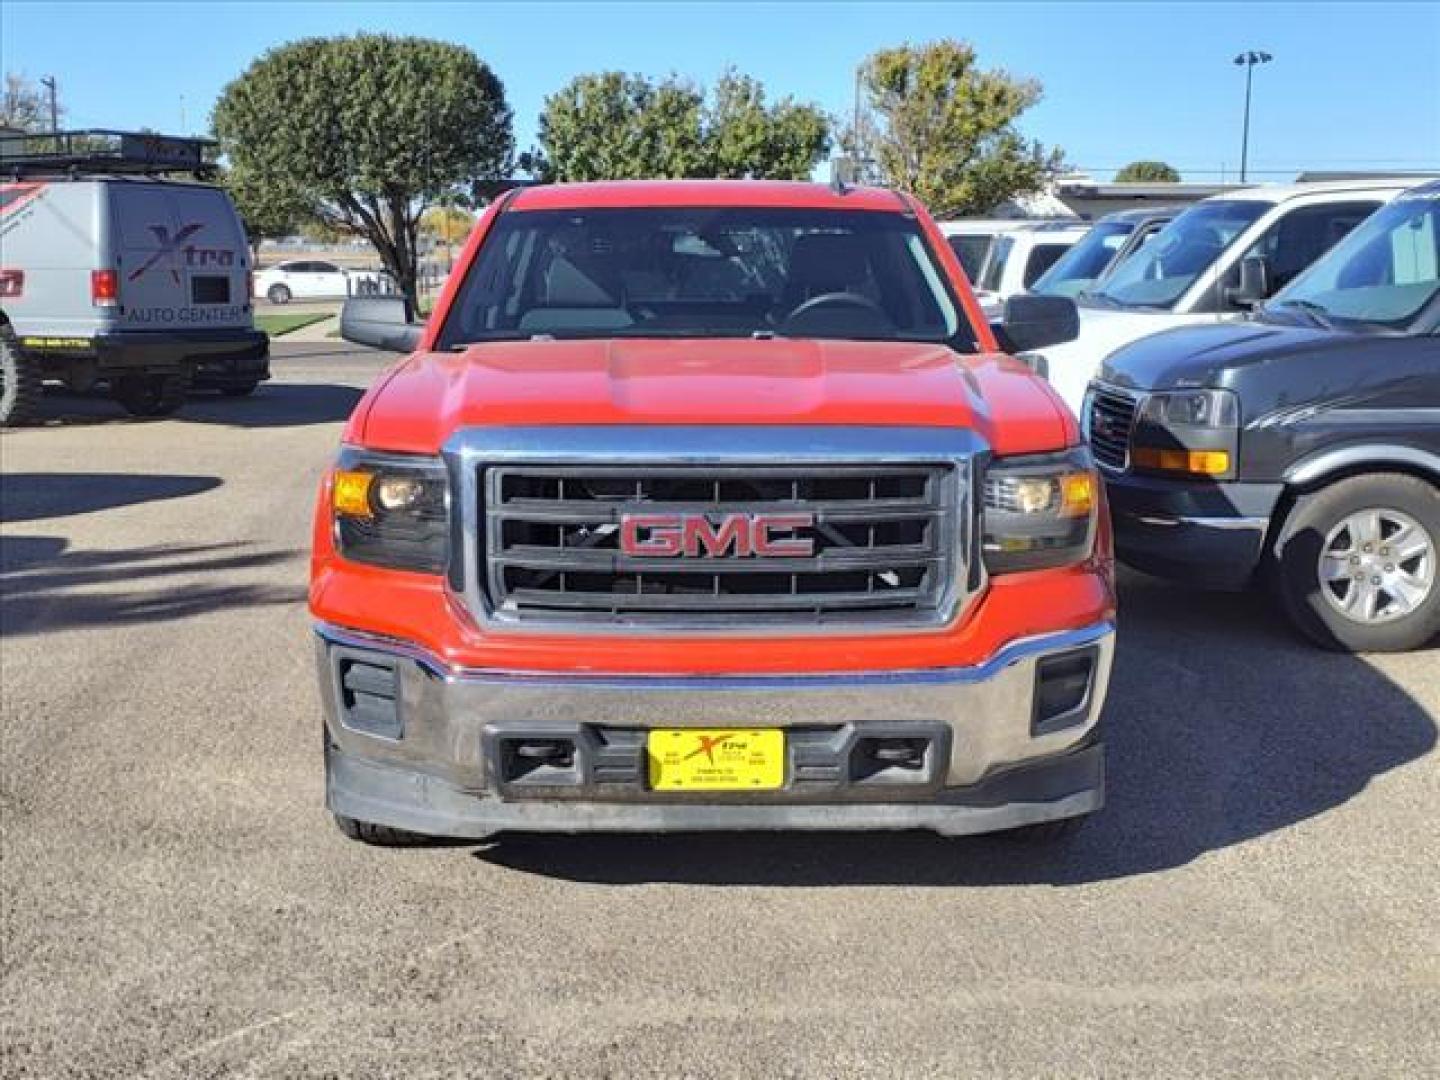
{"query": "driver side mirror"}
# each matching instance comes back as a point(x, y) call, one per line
point(383, 322)
point(1254, 282)
point(1033, 322)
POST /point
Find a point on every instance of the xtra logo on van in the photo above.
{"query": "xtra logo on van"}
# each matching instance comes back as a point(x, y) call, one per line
point(171, 252)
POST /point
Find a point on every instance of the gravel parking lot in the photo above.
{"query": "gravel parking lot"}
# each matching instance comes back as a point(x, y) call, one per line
point(1261, 896)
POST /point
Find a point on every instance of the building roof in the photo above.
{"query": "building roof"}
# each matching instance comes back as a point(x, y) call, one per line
point(639, 193)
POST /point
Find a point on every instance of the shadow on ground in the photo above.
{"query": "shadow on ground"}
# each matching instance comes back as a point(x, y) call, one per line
point(44, 589)
point(35, 496)
point(1221, 727)
point(279, 404)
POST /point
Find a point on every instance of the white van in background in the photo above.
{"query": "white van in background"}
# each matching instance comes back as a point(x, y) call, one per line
point(972, 238)
point(1020, 257)
point(112, 270)
point(1215, 261)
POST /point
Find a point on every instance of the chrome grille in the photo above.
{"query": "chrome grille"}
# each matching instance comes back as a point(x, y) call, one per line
point(883, 543)
point(1109, 426)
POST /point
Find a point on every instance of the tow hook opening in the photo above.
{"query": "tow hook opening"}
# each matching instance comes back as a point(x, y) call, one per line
point(534, 760)
point(891, 759)
point(1064, 685)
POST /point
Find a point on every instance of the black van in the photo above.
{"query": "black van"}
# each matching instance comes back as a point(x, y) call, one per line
point(1302, 446)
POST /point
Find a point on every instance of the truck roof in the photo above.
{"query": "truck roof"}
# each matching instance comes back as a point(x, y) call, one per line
point(641, 193)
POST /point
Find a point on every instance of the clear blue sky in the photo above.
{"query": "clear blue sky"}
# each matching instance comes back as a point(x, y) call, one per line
point(1353, 85)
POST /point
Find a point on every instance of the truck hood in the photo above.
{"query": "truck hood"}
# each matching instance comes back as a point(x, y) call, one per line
point(419, 403)
point(1209, 355)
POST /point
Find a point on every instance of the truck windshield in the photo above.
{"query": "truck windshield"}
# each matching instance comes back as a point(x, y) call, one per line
point(1381, 275)
point(705, 272)
point(1083, 263)
point(1163, 270)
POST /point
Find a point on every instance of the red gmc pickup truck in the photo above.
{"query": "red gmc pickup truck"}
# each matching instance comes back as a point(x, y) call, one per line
point(710, 505)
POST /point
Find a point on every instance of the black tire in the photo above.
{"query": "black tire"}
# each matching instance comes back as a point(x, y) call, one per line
point(243, 390)
point(1046, 832)
point(278, 294)
point(378, 835)
point(1302, 541)
point(20, 383)
point(151, 395)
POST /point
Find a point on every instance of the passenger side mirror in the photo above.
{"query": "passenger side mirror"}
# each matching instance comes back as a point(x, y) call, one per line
point(384, 322)
point(1033, 322)
point(1254, 282)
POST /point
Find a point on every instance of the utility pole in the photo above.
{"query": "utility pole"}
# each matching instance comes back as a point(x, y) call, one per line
point(1248, 60)
point(49, 83)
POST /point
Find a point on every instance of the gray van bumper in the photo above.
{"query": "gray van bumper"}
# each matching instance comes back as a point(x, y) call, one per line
point(418, 746)
point(144, 351)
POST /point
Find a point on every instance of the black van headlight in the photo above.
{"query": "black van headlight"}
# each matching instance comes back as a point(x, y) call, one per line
point(1040, 511)
point(392, 510)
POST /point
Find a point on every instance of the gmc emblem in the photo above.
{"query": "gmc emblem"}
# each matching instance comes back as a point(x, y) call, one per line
point(766, 536)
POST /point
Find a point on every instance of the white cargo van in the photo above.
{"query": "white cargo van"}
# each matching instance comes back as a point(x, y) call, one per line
point(1213, 262)
point(113, 270)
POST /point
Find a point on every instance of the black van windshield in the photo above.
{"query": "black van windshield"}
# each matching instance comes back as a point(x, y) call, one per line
point(705, 272)
point(1381, 276)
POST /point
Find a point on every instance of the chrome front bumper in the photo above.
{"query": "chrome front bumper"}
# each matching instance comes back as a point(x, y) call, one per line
point(996, 762)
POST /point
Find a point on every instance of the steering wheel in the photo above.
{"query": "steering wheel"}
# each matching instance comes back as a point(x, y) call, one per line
point(834, 299)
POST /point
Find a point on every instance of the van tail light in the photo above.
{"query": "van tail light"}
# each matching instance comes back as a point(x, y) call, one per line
point(249, 285)
point(12, 283)
point(104, 288)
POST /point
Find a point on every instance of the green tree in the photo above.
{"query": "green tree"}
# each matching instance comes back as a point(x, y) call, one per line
point(613, 126)
point(936, 124)
point(1148, 172)
point(447, 224)
point(746, 137)
point(363, 133)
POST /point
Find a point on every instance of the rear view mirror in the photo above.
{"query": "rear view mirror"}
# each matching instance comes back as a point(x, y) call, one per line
point(383, 322)
point(1254, 282)
point(1033, 322)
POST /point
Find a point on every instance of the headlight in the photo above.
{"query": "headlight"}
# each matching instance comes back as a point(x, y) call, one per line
point(1190, 432)
point(1040, 511)
point(392, 510)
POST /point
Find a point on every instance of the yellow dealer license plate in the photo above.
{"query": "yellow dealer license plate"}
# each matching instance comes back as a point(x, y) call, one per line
point(716, 759)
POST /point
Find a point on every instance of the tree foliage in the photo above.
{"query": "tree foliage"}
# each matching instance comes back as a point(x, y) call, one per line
point(1151, 172)
point(614, 126)
point(448, 224)
point(24, 106)
point(362, 133)
point(936, 124)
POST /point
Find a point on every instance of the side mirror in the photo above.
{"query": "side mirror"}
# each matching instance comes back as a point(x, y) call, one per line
point(1033, 322)
point(384, 322)
point(1254, 282)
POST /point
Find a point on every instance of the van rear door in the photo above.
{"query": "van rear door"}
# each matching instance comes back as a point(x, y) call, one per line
point(182, 256)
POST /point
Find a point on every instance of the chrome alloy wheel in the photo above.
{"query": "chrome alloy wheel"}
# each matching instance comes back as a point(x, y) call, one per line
point(1377, 565)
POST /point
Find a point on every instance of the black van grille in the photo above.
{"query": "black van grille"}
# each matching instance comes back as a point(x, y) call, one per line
point(1111, 420)
point(855, 543)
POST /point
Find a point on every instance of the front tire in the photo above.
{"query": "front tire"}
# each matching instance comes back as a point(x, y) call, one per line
point(20, 383)
point(378, 835)
point(1357, 564)
point(151, 395)
point(278, 294)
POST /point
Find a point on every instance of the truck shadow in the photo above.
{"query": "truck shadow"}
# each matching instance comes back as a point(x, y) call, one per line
point(1221, 727)
point(36, 496)
point(279, 404)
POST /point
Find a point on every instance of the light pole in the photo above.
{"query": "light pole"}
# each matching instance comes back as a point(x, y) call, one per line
point(1248, 60)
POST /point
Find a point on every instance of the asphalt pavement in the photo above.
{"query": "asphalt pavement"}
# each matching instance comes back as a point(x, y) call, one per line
point(1260, 897)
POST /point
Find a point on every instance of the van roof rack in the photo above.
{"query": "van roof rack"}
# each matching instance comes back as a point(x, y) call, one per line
point(103, 151)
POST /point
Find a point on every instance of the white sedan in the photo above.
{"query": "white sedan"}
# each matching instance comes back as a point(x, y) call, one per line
point(311, 279)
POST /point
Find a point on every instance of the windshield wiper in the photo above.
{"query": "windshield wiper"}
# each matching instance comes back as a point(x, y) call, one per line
point(1318, 314)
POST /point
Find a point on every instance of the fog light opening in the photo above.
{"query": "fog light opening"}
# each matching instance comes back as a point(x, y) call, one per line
point(898, 759)
point(1063, 687)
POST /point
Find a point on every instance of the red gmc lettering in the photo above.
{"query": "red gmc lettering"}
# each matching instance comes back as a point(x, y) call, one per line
point(734, 535)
